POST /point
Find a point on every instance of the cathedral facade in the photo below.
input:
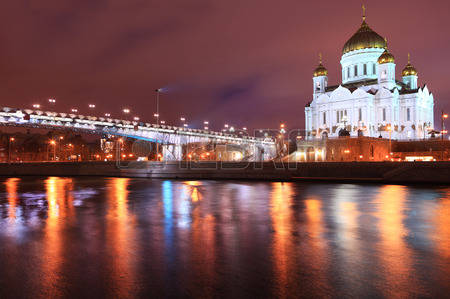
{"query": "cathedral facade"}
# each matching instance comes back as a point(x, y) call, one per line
point(369, 101)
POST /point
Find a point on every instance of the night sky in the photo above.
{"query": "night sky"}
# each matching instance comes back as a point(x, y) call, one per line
point(241, 62)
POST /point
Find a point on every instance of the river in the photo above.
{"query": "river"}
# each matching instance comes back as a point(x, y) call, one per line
point(120, 237)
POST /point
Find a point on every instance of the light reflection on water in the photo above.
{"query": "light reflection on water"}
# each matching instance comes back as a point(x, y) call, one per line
point(119, 237)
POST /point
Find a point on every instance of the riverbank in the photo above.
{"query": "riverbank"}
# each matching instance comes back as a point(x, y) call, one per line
point(383, 172)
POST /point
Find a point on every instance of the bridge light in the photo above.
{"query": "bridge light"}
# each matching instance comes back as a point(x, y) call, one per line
point(37, 106)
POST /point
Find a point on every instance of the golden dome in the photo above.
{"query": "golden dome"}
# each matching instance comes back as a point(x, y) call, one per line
point(386, 57)
point(320, 69)
point(409, 70)
point(364, 38)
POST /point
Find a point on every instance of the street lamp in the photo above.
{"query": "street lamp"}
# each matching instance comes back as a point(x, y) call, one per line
point(74, 110)
point(53, 143)
point(37, 106)
point(136, 118)
point(91, 106)
point(443, 117)
point(183, 119)
point(206, 123)
point(126, 110)
point(158, 91)
point(11, 140)
point(52, 100)
point(108, 114)
point(389, 128)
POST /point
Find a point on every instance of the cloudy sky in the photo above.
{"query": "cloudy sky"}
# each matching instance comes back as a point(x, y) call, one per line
point(247, 63)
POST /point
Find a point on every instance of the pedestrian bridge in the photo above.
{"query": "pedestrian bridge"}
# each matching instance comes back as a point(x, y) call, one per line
point(172, 138)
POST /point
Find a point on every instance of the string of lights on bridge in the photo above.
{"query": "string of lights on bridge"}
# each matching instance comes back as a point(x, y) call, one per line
point(127, 111)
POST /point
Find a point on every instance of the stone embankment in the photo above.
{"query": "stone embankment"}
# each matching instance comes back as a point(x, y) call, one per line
point(383, 172)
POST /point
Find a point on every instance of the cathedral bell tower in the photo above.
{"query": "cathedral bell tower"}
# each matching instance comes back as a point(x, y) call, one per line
point(409, 75)
point(320, 78)
point(386, 69)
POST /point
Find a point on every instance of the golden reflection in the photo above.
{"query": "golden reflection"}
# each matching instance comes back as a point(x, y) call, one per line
point(316, 250)
point(283, 247)
point(192, 190)
point(442, 222)
point(120, 236)
point(60, 207)
point(393, 250)
point(11, 190)
point(203, 253)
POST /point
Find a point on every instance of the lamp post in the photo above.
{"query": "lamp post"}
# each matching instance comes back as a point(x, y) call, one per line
point(390, 130)
point(443, 117)
point(52, 143)
point(11, 140)
point(158, 90)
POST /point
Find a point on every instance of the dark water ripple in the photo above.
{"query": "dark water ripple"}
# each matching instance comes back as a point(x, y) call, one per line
point(118, 237)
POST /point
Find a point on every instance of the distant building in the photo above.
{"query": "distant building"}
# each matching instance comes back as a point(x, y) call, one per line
point(370, 101)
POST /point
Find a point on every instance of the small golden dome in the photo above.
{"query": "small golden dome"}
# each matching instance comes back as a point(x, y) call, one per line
point(409, 70)
point(320, 69)
point(386, 57)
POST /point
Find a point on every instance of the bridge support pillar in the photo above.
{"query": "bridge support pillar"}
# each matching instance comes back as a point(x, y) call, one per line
point(172, 152)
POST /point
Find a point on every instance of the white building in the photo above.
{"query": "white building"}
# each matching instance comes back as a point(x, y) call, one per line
point(369, 101)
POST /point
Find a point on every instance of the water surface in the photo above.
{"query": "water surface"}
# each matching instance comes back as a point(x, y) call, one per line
point(119, 237)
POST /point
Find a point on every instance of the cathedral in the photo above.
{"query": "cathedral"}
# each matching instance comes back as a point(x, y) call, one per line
point(369, 101)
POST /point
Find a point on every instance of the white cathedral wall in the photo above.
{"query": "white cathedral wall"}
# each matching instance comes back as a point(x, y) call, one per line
point(359, 58)
point(420, 105)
